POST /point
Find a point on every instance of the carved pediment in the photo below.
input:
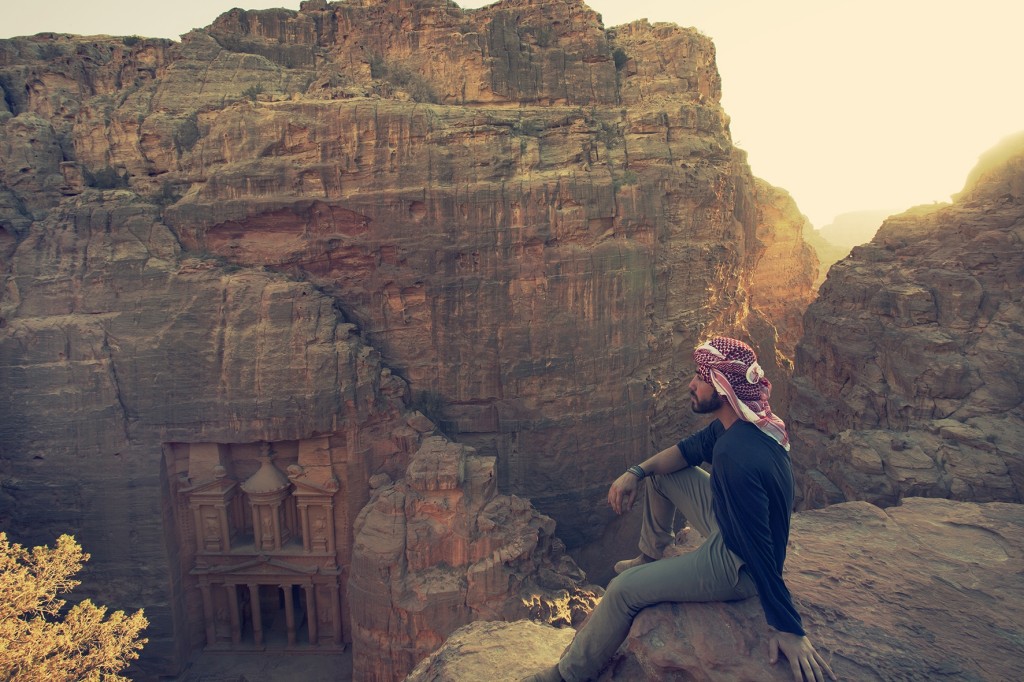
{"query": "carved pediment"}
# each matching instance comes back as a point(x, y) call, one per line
point(213, 486)
point(262, 565)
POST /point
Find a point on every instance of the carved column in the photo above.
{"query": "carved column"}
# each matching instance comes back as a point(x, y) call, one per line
point(209, 501)
point(314, 495)
point(336, 612)
point(236, 626)
point(311, 614)
point(304, 521)
point(257, 618)
point(289, 613)
point(208, 615)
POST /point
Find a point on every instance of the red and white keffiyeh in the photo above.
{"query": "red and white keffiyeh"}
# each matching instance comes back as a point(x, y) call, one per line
point(731, 367)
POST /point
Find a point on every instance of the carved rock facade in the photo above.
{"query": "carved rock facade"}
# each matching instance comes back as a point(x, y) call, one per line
point(140, 386)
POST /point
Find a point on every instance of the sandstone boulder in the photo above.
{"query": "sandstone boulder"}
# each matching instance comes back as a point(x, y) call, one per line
point(928, 590)
point(441, 548)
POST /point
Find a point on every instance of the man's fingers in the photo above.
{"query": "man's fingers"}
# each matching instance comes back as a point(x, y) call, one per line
point(794, 665)
point(824, 664)
point(773, 651)
point(815, 671)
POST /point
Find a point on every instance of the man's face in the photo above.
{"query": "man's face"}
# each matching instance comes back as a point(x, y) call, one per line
point(703, 397)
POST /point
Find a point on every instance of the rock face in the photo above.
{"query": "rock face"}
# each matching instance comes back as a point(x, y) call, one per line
point(908, 377)
point(833, 242)
point(443, 549)
point(296, 241)
point(137, 383)
point(927, 590)
point(468, 185)
point(487, 650)
point(780, 291)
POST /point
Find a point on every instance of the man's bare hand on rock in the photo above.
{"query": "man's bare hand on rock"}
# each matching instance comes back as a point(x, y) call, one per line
point(622, 494)
point(805, 662)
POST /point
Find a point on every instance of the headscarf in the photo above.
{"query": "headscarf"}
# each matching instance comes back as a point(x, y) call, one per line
point(731, 367)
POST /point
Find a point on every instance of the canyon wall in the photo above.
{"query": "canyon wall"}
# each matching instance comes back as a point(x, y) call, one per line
point(779, 290)
point(245, 273)
point(908, 378)
point(134, 375)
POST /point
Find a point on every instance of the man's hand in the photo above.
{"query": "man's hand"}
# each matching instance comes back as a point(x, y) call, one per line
point(622, 494)
point(805, 662)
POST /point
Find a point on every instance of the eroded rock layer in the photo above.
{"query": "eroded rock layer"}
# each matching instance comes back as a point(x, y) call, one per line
point(908, 379)
point(923, 591)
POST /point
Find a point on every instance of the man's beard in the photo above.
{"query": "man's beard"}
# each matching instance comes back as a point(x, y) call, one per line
point(706, 406)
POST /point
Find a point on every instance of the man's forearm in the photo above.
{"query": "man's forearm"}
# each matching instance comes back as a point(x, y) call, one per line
point(665, 462)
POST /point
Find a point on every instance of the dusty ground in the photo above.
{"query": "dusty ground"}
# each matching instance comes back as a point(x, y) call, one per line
point(263, 667)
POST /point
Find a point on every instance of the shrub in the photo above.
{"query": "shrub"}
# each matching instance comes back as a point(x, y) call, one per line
point(253, 91)
point(401, 77)
point(620, 58)
point(42, 641)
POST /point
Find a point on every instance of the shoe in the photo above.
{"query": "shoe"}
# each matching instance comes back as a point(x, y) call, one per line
point(627, 564)
point(547, 675)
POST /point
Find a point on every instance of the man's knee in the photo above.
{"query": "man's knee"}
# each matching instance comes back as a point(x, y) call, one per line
point(621, 594)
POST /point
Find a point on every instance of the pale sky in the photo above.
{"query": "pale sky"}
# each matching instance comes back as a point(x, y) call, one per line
point(847, 104)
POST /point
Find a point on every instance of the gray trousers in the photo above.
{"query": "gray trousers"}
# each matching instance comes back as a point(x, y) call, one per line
point(709, 573)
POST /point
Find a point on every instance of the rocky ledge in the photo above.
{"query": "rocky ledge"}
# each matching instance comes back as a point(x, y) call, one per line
point(914, 592)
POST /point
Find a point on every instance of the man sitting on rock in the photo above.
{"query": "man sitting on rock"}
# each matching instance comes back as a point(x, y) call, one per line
point(742, 509)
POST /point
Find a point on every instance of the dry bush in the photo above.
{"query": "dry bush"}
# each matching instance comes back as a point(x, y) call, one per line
point(40, 640)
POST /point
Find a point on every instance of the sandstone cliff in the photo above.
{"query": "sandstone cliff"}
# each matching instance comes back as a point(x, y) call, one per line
point(132, 371)
point(295, 231)
point(908, 377)
point(924, 591)
point(833, 242)
point(779, 290)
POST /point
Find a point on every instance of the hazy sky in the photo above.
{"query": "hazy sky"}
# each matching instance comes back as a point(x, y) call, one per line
point(848, 104)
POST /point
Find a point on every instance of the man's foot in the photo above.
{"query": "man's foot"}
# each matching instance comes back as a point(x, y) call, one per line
point(547, 675)
point(627, 564)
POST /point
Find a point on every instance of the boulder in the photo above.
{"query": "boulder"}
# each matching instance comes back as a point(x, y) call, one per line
point(441, 548)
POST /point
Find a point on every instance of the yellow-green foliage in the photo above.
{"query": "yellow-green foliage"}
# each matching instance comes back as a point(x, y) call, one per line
point(40, 640)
